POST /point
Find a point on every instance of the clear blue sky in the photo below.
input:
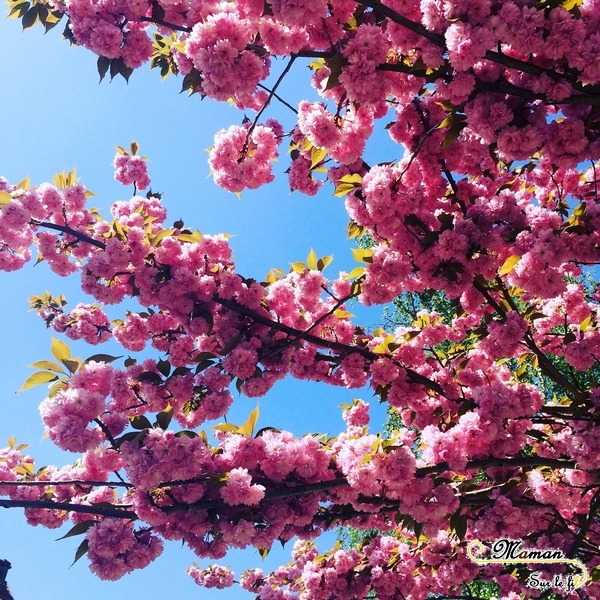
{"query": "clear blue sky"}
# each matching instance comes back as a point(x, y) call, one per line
point(55, 116)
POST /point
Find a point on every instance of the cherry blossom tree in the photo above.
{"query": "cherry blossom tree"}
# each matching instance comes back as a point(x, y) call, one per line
point(491, 202)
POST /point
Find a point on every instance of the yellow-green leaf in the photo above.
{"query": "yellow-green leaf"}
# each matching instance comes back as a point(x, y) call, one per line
point(48, 365)
point(248, 427)
point(317, 155)
point(5, 198)
point(59, 350)
point(60, 180)
point(24, 469)
point(353, 178)
point(342, 189)
point(298, 267)
point(383, 347)
point(274, 275)
point(61, 384)
point(509, 264)
point(71, 178)
point(225, 427)
point(38, 378)
point(312, 260)
point(342, 314)
point(306, 145)
point(24, 184)
point(362, 254)
point(12, 441)
point(356, 272)
point(161, 235)
point(585, 324)
point(193, 238)
point(324, 262)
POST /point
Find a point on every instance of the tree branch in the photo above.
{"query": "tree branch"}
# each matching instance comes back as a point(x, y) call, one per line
point(77, 482)
point(70, 231)
point(119, 511)
point(313, 339)
point(506, 463)
point(162, 23)
point(267, 101)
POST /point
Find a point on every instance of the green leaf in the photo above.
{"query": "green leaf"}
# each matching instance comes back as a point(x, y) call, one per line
point(29, 18)
point(83, 548)
point(335, 64)
point(164, 366)
point(78, 529)
point(231, 344)
point(163, 418)
point(452, 120)
point(150, 376)
point(186, 433)
point(38, 378)
point(140, 422)
point(103, 64)
point(105, 358)
point(59, 350)
point(264, 552)
point(452, 134)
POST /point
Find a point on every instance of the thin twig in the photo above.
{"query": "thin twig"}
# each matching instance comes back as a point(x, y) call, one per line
point(268, 101)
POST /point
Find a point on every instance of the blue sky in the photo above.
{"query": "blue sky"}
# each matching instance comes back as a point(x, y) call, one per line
point(54, 115)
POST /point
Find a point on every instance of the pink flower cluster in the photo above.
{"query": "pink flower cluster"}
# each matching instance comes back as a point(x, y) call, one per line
point(131, 170)
point(213, 576)
point(115, 548)
point(241, 157)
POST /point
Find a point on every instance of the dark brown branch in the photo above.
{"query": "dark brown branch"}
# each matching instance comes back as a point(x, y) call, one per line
point(77, 482)
point(277, 97)
point(82, 237)
point(107, 433)
point(331, 345)
point(392, 15)
point(506, 463)
point(289, 492)
point(268, 101)
point(165, 24)
point(591, 517)
point(119, 511)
